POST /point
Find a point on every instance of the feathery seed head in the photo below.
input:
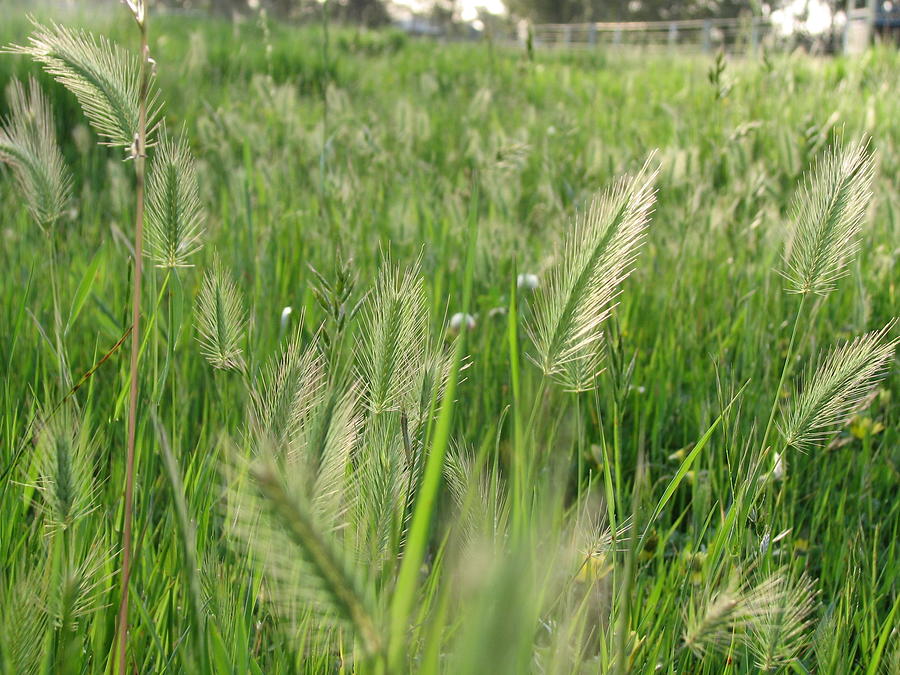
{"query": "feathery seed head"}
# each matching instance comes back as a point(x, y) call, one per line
point(28, 145)
point(174, 213)
point(104, 77)
point(839, 386)
point(712, 620)
point(24, 622)
point(480, 498)
point(828, 213)
point(65, 457)
point(578, 296)
point(220, 319)
point(78, 587)
point(395, 340)
point(308, 571)
point(287, 393)
point(782, 609)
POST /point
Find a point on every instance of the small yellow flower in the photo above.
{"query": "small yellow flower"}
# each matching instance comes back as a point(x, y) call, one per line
point(594, 568)
point(865, 427)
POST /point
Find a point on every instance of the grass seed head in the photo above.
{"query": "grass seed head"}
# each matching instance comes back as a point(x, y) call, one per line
point(220, 319)
point(104, 77)
point(828, 214)
point(578, 296)
point(28, 145)
point(174, 213)
point(840, 385)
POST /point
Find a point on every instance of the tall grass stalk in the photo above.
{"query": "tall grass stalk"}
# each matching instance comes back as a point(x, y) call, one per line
point(419, 531)
point(28, 145)
point(139, 149)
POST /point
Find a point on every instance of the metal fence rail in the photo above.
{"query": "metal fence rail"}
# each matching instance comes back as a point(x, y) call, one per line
point(745, 34)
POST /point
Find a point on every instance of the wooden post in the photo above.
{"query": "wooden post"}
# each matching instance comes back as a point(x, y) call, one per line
point(673, 34)
point(707, 35)
point(860, 26)
point(873, 11)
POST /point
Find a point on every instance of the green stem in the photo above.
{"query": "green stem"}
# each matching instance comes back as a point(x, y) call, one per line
point(788, 359)
point(57, 317)
point(522, 469)
point(139, 161)
point(750, 487)
point(617, 446)
point(611, 496)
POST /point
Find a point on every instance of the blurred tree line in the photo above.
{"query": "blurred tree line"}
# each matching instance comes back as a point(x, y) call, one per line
point(368, 12)
point(375, 12)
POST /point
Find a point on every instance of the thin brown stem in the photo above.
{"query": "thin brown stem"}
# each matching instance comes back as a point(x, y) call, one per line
point(139, 152)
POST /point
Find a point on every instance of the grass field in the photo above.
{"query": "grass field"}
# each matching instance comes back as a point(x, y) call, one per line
point(370, 483)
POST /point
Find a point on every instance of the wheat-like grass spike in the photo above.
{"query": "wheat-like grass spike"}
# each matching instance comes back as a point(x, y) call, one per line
point(837, 388)
point(220, 319)
point(103, 76)
point(598, 255)
point(28, 145)
point(394, 344)
point(174, 212)
point(782, 609)
point(828, 213)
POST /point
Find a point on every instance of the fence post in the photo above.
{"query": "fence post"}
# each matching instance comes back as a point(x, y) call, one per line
point(754, 36)
point(673, 34)
point(617, 36)
point(592, 34)
point(707, 35)
point(567, 35)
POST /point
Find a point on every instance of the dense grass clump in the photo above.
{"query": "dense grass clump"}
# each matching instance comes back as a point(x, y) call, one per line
point(444, 359)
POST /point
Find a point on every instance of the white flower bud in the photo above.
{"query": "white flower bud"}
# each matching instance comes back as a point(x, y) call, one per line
point(527, 281)
point(285, 317)
point(458, 320)
point(779, 471)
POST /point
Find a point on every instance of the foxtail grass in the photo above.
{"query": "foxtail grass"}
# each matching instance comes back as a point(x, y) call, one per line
point(828, 214)
point(174, 213)
point(28, 144)
point(579, 293)
point(837, 388)
point(113, 85)
point(220, 319)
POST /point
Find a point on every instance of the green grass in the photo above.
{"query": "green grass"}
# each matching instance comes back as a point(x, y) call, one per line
point(382, 147)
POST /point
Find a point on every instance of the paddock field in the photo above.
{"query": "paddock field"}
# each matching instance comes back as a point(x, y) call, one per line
point(571, 532)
